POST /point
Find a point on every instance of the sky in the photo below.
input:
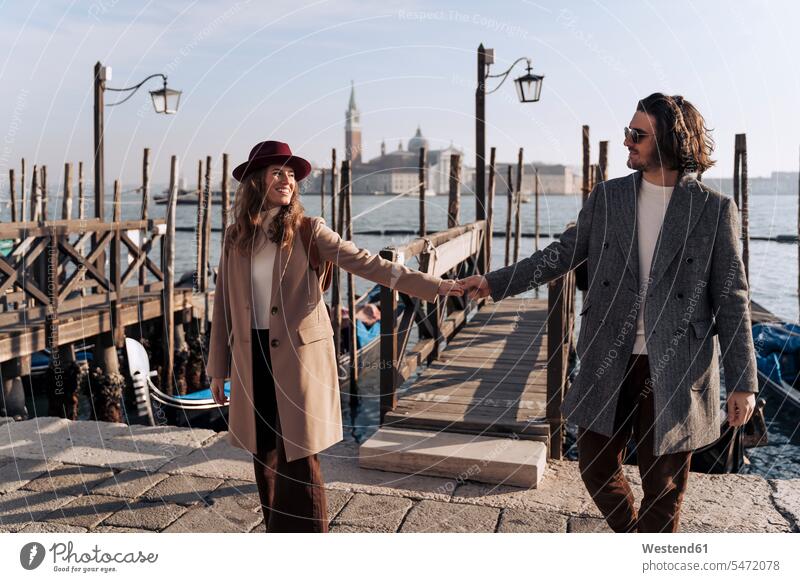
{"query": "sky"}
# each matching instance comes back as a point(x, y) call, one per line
point(252, 71)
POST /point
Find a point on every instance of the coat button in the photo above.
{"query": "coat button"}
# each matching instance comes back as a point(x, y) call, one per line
point(605, 283)
point(605, 245)
point(679, 295)
point(274, 310)
point(689, 260)
point(275, 343)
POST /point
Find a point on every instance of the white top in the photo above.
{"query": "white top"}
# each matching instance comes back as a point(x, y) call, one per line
point(651, 207)
point(261, 265)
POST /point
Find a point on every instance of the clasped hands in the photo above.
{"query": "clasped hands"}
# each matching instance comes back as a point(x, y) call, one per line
point(476, 287)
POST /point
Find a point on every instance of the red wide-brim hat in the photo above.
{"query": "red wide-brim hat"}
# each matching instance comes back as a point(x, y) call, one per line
point(272, 152)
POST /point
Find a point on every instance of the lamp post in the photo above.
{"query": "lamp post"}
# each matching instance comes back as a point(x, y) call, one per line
point(529, 89)
point(165, 100)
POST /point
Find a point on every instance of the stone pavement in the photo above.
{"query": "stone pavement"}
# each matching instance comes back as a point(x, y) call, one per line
point(82, 476)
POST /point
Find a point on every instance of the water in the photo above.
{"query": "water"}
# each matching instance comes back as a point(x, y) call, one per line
point(773, 277)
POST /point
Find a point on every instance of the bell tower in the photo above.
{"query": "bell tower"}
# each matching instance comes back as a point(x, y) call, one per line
point(352, 129)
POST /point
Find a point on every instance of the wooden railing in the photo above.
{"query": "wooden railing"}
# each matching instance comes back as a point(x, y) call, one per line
point(450, 253)
point(454, 252)
point(560, 327)
point(57, 267)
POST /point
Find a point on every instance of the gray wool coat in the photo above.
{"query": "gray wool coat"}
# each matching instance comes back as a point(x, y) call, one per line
point(697, 290)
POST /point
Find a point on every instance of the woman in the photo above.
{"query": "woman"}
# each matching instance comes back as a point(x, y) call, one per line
point(272, 335)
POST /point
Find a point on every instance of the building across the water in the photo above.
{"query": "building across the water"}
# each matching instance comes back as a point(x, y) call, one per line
point(397, 171)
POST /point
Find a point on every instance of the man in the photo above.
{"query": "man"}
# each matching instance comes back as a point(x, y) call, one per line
point(665, 276)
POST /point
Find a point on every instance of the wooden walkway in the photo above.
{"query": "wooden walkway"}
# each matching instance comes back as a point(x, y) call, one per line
point(490, 380)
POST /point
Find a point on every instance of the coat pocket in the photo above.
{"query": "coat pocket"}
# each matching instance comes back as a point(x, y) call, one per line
point(701, 328)
point(583, 336)
point(701, 352)
point(314, 333)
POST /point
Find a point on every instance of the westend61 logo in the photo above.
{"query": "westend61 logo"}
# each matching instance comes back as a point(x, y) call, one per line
point(65, 559)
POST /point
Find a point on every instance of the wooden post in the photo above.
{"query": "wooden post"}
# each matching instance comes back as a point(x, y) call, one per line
point(145, 182)
point(81, 215)
point(518, 207)
point(484, 59)
point(603, 162)
point(454, 201)
point(22, 192)
point(206, 244)
point(559, 332)
point(322, 193)
point(198, 267)
point(336, 285)
point(12, 403)
point(117, 209)
point(13, 186)
point(168, 297)
point(51, 319)
point(536, 209)
point(81, 194)
point(143, 234)
point(45, 195)
point(509, 211)
point(388, 362)
point(423, 162)
point(745, 192)
point(226, 196)
point(587, 176)
point(351, 287)
point(116, 270)
point(36, 199)
point(63, 373)
point(66, 206)
point(736, 170)
point(488, 232)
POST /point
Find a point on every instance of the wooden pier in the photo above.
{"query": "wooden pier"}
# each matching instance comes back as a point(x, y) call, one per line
point(71, 282)
point(490, 380)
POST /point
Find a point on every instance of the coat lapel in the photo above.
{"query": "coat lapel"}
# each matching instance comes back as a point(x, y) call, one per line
point(627, 231)
point(683, 211)
point(282, 255)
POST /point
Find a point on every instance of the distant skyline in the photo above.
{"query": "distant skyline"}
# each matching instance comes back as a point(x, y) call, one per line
point(250, 73)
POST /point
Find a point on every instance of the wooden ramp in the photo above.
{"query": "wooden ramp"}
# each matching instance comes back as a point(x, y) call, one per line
point(490, 380)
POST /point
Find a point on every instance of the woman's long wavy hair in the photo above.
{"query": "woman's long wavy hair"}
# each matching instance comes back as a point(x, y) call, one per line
point(249, 213)
point(684, 142)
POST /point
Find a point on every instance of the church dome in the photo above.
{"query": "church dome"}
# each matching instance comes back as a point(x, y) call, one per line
point(417, 142)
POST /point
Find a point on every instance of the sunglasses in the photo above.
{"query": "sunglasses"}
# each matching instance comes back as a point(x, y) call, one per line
point(635, 135)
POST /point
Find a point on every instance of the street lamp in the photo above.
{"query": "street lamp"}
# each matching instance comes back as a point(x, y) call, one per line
point(529, 89)
point(529, 86)
point(165, 100)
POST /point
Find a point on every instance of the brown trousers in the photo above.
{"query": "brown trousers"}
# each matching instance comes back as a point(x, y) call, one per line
point(292, 493)
point(664, 477)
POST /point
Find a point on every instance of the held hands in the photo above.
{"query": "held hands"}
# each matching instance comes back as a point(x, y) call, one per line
point(218, 390)
point(450, 288)
point(740, 407)
point(476, 286)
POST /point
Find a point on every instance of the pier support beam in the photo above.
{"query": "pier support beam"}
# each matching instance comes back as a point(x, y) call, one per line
point(63, 384)
point(105, 383)
point(13, 403)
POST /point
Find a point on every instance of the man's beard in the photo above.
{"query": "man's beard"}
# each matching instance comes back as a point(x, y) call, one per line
point(640, 165)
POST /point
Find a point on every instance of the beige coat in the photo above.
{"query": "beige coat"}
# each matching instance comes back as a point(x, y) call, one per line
point(301, 338)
